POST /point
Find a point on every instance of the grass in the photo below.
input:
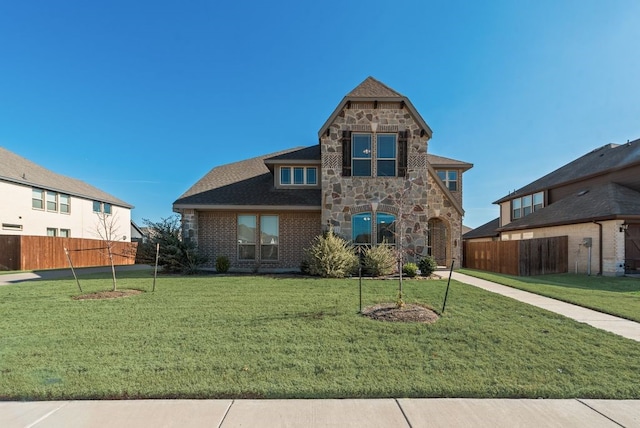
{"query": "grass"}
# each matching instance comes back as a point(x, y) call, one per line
point(263, 337)
point(619, 296)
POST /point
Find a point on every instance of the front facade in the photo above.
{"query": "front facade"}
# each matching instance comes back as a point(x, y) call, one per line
point(39, 202)
point(594, 201)
point(369, 179)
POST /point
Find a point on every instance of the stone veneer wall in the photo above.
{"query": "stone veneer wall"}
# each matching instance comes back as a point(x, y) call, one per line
point(218, 237)
point(412, 197)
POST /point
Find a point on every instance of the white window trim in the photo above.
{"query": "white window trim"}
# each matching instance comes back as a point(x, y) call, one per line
point(305, 177)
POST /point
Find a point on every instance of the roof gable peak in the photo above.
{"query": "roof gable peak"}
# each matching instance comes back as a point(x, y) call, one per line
point(373, 88)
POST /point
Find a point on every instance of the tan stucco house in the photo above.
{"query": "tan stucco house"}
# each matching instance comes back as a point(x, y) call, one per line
point(593, 200)
point(369, 178)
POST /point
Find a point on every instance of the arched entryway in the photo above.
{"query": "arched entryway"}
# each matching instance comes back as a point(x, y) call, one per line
point(438, 245)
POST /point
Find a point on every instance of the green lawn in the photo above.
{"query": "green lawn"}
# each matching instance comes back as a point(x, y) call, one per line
point(618, 296)
point(263, 337)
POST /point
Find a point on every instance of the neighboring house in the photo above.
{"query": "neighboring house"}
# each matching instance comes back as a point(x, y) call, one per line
point(594, 200)
point(39, 202)
point(368, 174)
point(137, 233)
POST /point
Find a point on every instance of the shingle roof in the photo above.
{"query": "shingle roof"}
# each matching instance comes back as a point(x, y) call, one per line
point(598, 161)
point(16, 169)
point(247, 183)
point(442, 162)
point(372, 88)
point(487, 230)
point(606, 201)
point(311, 153)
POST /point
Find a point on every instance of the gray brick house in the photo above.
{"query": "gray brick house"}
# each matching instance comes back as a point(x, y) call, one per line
point(370, 178)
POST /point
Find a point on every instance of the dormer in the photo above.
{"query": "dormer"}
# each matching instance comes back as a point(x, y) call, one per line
point(297, 169)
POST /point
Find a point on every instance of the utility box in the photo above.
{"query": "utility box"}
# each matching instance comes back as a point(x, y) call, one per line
point(586, 242)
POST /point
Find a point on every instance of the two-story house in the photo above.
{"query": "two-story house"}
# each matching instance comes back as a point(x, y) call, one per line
point(40, 202)
point(369, 178)
point(593, 200)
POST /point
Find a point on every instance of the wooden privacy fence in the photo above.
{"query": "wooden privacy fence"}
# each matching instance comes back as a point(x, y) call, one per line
point(522, 258)
point(45, 252)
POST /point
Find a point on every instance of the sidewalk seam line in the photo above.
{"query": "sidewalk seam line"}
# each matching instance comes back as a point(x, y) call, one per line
point(226, 413)
point(403, 413)
point(43, 417)
point(598, 412)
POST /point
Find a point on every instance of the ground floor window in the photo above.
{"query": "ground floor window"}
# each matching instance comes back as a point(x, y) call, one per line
point(250, 226)
point(363, 225)
point(269, 237)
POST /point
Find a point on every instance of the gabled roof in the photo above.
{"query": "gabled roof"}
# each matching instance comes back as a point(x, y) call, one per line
point(18, 170)
point(309, 154)
point(606, 158)
point(603, 202)
point(373, 90)
point(487, 230)
point(442, 162)
point(247, 183)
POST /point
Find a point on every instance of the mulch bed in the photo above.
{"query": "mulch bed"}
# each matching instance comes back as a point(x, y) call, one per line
point(408, 313)
point(108, 294)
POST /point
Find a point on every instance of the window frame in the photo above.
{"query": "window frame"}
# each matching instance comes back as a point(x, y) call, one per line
point(247, 244)
point(54, 202)
point(361, 160)
point(41, 199)
point(379, 139)
point(302, 180)
point(449, 182)
point(379, 229)
point(65, 233)
point(526, 205)
point(52, 232)
point(61, 204)
point(269, 246)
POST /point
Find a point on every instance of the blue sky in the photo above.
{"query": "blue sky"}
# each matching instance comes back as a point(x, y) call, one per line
point(143, 98)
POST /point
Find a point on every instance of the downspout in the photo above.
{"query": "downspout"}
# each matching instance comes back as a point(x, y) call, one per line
point(599, 246)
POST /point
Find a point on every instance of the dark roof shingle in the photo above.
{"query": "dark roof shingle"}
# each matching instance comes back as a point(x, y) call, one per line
point(602, 202)
point(16, 169)
point(605, 158)
point(247, 183)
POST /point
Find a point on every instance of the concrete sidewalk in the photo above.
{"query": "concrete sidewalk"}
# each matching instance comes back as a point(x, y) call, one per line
point(385, 413)
point(619, 326)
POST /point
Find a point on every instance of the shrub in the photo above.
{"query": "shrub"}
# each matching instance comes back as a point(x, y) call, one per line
point(380, 260)
point(176, 254)
point(330, 256)
point(427, 265)
point(222, 264)
point(410, 269)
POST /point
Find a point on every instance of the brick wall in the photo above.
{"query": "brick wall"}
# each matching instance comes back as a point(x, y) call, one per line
point(217, 236)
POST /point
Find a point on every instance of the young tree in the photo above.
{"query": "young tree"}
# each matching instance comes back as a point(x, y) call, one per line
point(108, 231)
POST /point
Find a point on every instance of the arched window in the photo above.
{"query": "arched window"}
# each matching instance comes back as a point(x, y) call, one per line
point(386, 228)
point(361, 229)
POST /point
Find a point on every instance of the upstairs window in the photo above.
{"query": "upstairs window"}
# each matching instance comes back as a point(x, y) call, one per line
point(386, 155)
point(65, 203)
point(52, 201)
point(361, 155)
point(525, 205)
point(450, 179)
point(389, 151)
point(37, 199)
point(101, 207)
point(299, 175)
